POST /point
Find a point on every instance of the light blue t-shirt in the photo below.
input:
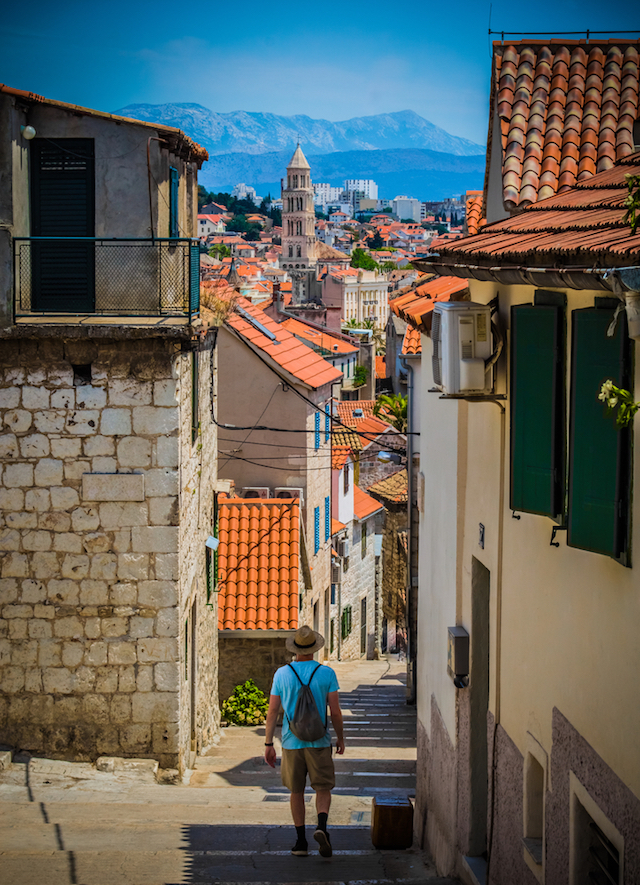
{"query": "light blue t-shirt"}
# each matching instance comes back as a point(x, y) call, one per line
point(286, 687)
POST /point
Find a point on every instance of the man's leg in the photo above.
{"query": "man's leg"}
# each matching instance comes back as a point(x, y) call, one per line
point(297, 808)
point(323, 781)
point(323, 801)
point(294, 776)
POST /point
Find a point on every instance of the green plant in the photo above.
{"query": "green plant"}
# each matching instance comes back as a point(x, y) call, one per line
point(362, 259)
point(632, 203)
point(618, 398)
point(247, 705)
point(360, 376)
point(392, 408)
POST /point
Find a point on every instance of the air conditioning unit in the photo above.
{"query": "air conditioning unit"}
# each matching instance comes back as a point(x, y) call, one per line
point(462, 341)
point(336, 574)
point(289, 492)
point(345, 548)
point(256, 492)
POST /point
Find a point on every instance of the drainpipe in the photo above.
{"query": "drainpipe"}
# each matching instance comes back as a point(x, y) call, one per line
point(410, 607)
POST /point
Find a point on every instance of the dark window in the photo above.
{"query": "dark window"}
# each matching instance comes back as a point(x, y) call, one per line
point(363, 540)
point(173, 202)
point(81, 375)
point(599, 453)
point(363, 626)
point(537, 409)
point(62, 205)
point(345, 476)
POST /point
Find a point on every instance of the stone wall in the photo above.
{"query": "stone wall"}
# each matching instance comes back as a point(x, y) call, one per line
point(91, 548)
point(251, 654)
point(197, 615)
point(358, 582)
point(394, 576)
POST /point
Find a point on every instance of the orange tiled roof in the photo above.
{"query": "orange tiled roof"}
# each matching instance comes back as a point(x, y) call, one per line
point(416, 306)
point(336, 527)
point(324, 339)
point(346, 408)
point(473, 218)
point(258, 564)
point(369, 429)
point(381, 367)
point(412, 342)
point(343, 436)
point(392, 488)
point(364, 505)
point(582, 227)
point(285, 349)
point(566, 111)
point(339, 456)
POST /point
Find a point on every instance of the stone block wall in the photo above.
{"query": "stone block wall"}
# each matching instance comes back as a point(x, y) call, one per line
point(198, 605)
point(358, 582)
point(251, 654)
point(90, 547)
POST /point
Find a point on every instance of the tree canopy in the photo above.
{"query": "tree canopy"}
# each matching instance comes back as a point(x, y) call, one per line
point(392, 408)
point(362, 259)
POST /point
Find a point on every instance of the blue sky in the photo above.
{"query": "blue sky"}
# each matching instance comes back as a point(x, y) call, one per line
point(332, 60)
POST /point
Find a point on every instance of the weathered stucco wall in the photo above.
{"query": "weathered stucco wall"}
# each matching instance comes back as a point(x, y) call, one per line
point(91, 548)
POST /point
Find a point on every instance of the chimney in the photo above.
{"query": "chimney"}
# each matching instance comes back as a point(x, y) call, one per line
point(277, 297)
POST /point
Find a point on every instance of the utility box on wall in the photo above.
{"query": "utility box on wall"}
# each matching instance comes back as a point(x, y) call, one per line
point(462, 345)
point(458, 655)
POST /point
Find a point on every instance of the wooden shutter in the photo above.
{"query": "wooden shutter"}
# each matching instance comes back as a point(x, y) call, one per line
point(317, 430)
point(599, 453)
point(173, 202)
point(537, 409)
point(316, 529)
point(194, 280)
point(327, 422)
point(327, 518)
point(62, 185)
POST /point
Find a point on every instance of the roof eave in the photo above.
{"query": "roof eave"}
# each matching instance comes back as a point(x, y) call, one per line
point(552, 277)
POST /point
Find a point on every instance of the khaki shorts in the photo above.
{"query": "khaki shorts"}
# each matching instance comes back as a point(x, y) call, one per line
point(316, 761)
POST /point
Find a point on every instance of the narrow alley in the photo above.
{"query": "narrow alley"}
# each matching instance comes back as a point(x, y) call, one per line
point(67, 824)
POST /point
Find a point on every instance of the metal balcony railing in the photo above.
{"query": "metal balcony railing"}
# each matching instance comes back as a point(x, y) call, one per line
point(109, 277)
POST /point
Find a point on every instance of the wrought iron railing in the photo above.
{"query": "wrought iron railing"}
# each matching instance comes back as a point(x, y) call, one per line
point(111, 277)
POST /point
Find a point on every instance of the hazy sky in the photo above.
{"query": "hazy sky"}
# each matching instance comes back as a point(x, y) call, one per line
point(333, 60)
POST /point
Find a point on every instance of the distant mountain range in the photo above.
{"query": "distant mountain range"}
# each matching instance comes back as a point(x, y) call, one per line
point(402, 151)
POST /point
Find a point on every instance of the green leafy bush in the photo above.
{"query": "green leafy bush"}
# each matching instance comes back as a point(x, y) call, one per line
point(247, 705)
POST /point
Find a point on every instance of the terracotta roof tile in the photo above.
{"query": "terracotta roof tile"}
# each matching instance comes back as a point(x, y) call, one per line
point(582, 226)
point(336, 527)
point(339, 456)
point(392, 488)
point(343, 436)
point(364, 505)
point(346, 408)
point(258, 564)
point(381, 367)
point(412, 343)
point(285, 349)
point(320, 340)
point(416, 306)
point(566, 111)
point(370, 428)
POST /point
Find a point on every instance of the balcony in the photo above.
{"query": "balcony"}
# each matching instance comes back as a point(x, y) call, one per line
point(63, 279)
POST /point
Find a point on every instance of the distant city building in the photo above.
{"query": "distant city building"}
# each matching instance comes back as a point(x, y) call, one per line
point(244, 191)
point(366, 187)
point(406, 207)
point(326, 193)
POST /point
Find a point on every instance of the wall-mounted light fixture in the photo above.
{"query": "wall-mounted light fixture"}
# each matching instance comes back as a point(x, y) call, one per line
point(458, 656)
point(212, 543)
point(28, 132)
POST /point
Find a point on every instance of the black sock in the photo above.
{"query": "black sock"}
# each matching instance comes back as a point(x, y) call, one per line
point(322, 820)
point(300, 834)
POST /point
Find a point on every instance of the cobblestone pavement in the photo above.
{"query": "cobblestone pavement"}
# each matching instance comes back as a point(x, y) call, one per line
point(63, 823)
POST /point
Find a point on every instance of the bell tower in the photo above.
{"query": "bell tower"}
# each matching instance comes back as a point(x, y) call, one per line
point(298, 227)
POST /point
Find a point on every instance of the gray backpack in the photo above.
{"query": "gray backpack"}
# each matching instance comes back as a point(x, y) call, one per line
point(306, 722)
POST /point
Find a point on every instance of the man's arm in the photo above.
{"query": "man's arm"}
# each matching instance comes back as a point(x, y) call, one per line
point(336, 720)
point(270, 727)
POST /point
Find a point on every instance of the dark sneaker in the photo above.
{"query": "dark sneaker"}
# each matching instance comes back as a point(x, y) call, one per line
point(322, 838)
point(300, 849)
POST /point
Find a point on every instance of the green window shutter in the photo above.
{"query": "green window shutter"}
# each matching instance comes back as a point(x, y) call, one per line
point(173, 202)
point(599, 453)
point(537, 409)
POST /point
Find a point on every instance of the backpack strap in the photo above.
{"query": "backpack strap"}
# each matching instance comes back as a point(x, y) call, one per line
point(326, 718)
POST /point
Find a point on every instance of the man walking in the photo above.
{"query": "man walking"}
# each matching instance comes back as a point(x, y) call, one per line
point(299, 757)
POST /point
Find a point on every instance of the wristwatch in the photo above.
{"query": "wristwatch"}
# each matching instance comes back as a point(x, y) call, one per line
point(268, 745)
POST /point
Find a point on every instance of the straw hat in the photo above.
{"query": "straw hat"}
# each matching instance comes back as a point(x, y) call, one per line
point(305, 641)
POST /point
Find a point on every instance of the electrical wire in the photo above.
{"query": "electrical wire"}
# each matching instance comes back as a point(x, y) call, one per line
point(245, 440)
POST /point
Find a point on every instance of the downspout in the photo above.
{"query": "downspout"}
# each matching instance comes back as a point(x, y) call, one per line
point(411, 627)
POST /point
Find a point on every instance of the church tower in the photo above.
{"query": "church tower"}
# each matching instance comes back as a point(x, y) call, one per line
point(299, 242)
